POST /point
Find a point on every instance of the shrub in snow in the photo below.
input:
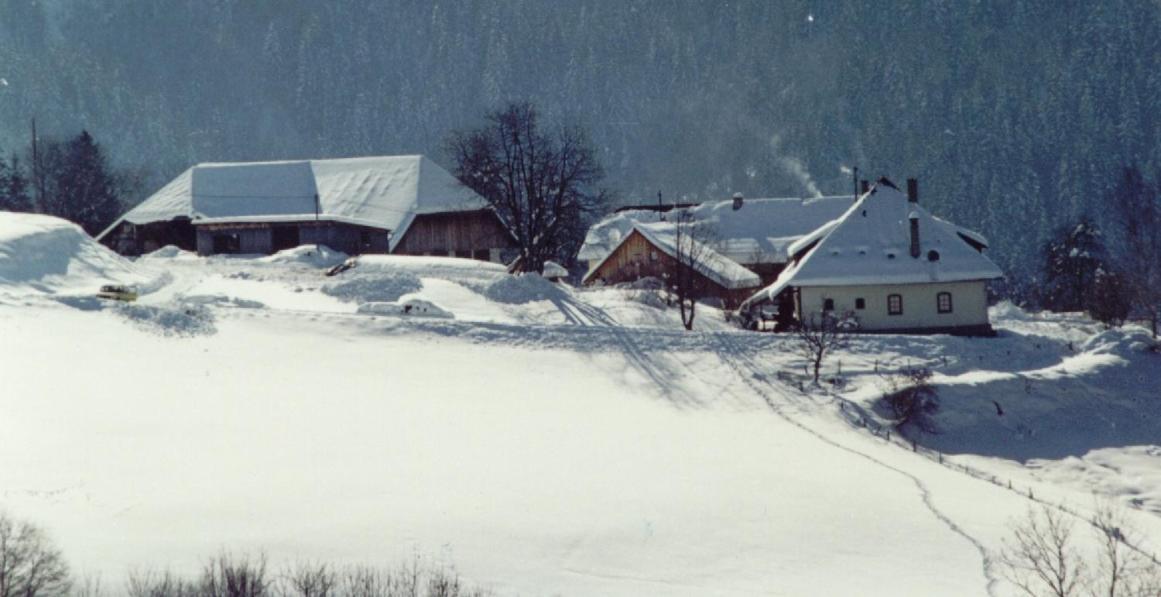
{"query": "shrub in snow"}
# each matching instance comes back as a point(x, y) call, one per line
point(234, 576)
point(188, 319)
point(30, 566)
point(374, 287)
point(524, 288)
point(910, 398)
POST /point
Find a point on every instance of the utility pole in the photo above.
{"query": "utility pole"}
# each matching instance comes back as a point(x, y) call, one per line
point(855, 180)
point(660, 212)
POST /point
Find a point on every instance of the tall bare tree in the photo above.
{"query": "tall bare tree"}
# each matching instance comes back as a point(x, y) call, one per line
point(691, 240)
point(29, 564)
point(819, 334)
point(545, 185)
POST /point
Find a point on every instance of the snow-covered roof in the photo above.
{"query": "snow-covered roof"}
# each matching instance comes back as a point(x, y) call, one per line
point(757, 232)
point(710, 263)
point(871, 244)
point(384, 192)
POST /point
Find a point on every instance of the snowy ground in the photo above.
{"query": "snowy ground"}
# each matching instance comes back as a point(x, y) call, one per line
point(544, 440)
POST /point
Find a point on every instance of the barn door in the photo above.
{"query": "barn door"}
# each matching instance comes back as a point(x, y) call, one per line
point(284, 237)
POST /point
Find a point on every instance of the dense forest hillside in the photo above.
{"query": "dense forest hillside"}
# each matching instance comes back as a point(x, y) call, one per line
point(1016, 115)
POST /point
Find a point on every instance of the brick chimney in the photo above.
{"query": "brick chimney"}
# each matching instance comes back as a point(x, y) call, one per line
point(738, 200)
point(913, 190)
point(914, 217)
point(864, 186)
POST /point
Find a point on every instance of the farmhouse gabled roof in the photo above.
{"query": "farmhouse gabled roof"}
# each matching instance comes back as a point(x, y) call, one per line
point(757, 232)
point(711, 264)
point(870, 244)
point(384, 192)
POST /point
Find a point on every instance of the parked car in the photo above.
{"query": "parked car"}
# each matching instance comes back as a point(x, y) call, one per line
point(117, 292)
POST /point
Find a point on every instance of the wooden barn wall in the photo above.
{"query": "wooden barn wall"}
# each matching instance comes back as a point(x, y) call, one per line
point(251, 239)
point(456, 234)
point(138, 239)
point(637, 258)
point(259, 238)
point(352, 240)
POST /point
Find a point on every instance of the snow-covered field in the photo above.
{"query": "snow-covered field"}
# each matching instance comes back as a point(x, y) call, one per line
point(544, 440)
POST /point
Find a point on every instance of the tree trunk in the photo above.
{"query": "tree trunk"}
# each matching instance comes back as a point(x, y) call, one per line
point(817, 365)
point(687, 315)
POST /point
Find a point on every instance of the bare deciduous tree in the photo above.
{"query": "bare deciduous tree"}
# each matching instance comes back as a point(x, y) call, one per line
point(819, 334)
point(1042, 557)
point(235, 576)
point(543, 185)
point(312, 580)
point(29, 564)
point(690, 251)
point(1121, 570)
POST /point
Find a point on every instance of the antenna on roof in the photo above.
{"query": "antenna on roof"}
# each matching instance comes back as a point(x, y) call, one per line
point(855, 181)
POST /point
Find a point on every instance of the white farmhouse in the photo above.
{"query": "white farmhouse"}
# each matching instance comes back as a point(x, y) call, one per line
point(891, 264)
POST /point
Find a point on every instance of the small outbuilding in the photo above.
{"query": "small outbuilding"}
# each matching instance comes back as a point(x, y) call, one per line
point(650, 250)
point(890, 264)
point(753, 233)
point(384, 204)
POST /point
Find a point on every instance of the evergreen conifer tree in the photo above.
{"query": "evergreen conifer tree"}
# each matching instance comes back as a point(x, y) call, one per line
point(14, 194)
point(85, 190)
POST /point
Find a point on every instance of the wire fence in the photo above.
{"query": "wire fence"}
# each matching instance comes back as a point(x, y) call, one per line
point(856, 416)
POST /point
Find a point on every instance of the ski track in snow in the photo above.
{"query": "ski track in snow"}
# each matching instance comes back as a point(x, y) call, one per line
point(749, 371)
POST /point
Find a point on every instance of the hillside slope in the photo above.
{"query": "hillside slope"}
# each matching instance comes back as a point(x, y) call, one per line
point(543, 440)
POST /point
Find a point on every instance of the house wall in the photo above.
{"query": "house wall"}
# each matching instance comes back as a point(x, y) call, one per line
point(475, 234)
point(637, 258)
point(920, 312)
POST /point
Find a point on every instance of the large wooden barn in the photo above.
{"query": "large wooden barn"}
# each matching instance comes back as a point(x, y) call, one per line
point(388, 204)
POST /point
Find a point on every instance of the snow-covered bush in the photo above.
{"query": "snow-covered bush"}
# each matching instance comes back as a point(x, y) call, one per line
point(185, 319)
point(374, 287)
point(910, 398)
point(520, 289)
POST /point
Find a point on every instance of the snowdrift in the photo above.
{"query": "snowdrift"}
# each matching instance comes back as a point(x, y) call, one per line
point(45, 255)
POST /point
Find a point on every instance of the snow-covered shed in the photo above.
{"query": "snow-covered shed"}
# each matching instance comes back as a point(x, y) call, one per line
point(751, 232)
point(891, 264)
point(384, 204)
point(650, 250)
